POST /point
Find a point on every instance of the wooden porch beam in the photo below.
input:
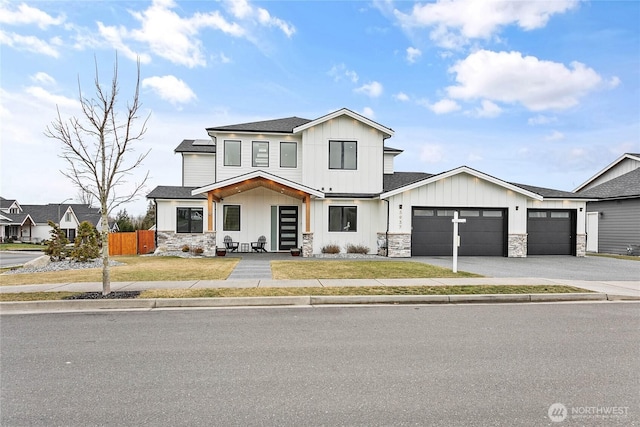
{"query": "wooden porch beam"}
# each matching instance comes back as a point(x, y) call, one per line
point(307, 202)
point(210, 211)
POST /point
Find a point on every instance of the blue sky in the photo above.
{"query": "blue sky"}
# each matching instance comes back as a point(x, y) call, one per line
point(534, 92)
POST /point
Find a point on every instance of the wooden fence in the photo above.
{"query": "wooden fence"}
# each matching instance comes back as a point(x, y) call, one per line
point(138, 242)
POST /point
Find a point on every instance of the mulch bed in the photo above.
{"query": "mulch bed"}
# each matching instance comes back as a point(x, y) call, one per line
point(112, 295)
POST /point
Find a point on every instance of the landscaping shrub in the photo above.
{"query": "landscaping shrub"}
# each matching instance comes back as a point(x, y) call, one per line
point(185, 248)
point(56, 248)
point(357, 249)
point(198, 251)
point(86, 245)
point(331, 249)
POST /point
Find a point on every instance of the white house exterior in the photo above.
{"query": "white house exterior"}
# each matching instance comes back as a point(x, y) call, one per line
point(310, 183)
point(29, 223)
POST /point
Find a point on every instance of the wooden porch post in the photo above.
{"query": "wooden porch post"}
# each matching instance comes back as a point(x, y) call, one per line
point(307, 202)
point(210, 212)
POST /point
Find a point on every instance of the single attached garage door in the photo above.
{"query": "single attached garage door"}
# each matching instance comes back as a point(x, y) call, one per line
point(551, 232)
point(482, 234)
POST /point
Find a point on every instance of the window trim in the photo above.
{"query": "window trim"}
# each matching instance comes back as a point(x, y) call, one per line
point(342, 217)
point(224, 159)
point(253, 154)
point(189, 217)
point(295, 157)
point(224, 214)
point(342, 154)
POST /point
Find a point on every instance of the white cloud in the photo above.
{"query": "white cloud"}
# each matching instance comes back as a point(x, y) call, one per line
point(413, 54)
point(613, 82)
point(266, 19)
point(48, 98)
point(554, 136)
point(43, 78)
point(509, 77)
point(239, 8)
point(488, 109)
point(340, 71)
point(170, 88)
point(368, 112)
point(401, 96)
point(431, 153)
point(25, 14)
point(444, 106)
point(372, 90)
point(31, 44)
point(113, 36)
point(541, 120)
point(454, 23)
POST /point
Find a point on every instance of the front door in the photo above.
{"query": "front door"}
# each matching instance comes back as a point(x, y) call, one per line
point(287, 227)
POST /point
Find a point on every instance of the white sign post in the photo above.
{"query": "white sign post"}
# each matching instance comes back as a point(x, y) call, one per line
point(456, 239)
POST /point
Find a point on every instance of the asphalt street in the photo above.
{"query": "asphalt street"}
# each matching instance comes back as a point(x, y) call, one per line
point(12, 259)
point(454, 365)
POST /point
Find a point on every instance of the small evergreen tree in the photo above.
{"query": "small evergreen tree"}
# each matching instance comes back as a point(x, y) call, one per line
point(56, 247)
point(86, 245)
point(150, 218)
point(124, 222)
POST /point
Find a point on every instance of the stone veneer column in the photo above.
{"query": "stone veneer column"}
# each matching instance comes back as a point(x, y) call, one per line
point(399, 245)
point(307, 244)
point(382, 244)
point(517, 246)
point(581, 245)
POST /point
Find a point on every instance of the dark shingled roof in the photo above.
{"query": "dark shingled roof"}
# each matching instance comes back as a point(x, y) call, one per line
point(400, 179)
point(43, 213)
point(392, 149)
point(192, 146)
point(174, 192)
point(550, 193)
point(285, 125)
point(627, 185)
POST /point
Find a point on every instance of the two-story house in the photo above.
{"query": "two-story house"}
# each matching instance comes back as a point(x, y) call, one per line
point(310, 183)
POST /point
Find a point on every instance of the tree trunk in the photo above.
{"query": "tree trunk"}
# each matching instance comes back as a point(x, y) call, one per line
point(106, 277)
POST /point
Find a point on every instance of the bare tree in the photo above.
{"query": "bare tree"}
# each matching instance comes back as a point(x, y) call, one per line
point(96, 147)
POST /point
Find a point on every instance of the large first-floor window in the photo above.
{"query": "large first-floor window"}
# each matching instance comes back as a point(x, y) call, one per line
point(231, 217)
point(189, 220)
point(343, 218)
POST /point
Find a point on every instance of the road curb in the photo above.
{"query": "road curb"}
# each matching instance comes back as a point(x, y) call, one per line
point(149, 304)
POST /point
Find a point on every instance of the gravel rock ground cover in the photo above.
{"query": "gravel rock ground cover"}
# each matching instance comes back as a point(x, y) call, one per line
point(112, 295)
point(62, 266)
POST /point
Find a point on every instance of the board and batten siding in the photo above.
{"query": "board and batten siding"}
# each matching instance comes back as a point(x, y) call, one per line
point(166, 215)
point(198, 169)
point(618, 224)
point(367, 178)
point(227, 172)
point(388, 163)
point(371, 221)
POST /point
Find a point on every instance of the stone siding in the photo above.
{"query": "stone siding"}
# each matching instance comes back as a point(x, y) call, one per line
point(581, 245)
point(399, 245)
point(171, 241)
point(517, 246)
point(307, 244)
point(382, 244)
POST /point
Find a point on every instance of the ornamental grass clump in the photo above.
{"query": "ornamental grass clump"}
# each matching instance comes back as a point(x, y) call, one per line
point(357, 249)
point(331, 249)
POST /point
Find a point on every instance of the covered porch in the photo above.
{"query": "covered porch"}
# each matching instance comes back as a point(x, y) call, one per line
point(247, 207)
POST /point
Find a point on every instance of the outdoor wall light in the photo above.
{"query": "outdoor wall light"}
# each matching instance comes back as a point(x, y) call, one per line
point(517, 207)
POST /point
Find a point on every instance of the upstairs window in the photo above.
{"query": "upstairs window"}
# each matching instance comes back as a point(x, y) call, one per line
point(343, 155)
point(189, 220)
point(288, 155)
point(260, 154)
point(343, 218)
point(231, 153)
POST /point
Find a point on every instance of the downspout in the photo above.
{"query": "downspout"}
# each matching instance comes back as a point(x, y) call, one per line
point(386, 233)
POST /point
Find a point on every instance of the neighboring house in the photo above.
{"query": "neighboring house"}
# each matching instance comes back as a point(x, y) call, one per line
point(309, 183)
point(29, 223)
point(613, 220)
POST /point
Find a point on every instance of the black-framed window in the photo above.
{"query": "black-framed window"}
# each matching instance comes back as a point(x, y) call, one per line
point(189, 220)
point(260, 154)
point(288, 154)
point(343, 218)
point(343, 155)
point(231, 218)
point(232, 152)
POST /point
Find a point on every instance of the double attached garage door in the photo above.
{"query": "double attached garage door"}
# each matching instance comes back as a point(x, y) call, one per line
point(550, 232)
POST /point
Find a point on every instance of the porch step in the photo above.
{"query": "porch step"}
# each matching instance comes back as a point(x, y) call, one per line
point(251, 269)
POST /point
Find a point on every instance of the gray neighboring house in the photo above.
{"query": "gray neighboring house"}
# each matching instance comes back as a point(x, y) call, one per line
point(29, 223)
point(613, 220)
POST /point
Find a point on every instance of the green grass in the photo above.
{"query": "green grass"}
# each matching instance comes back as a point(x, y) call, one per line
point(21, 247)
point(312, 291)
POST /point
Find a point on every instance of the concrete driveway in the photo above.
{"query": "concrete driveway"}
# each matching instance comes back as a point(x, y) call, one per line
point(548, 266)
